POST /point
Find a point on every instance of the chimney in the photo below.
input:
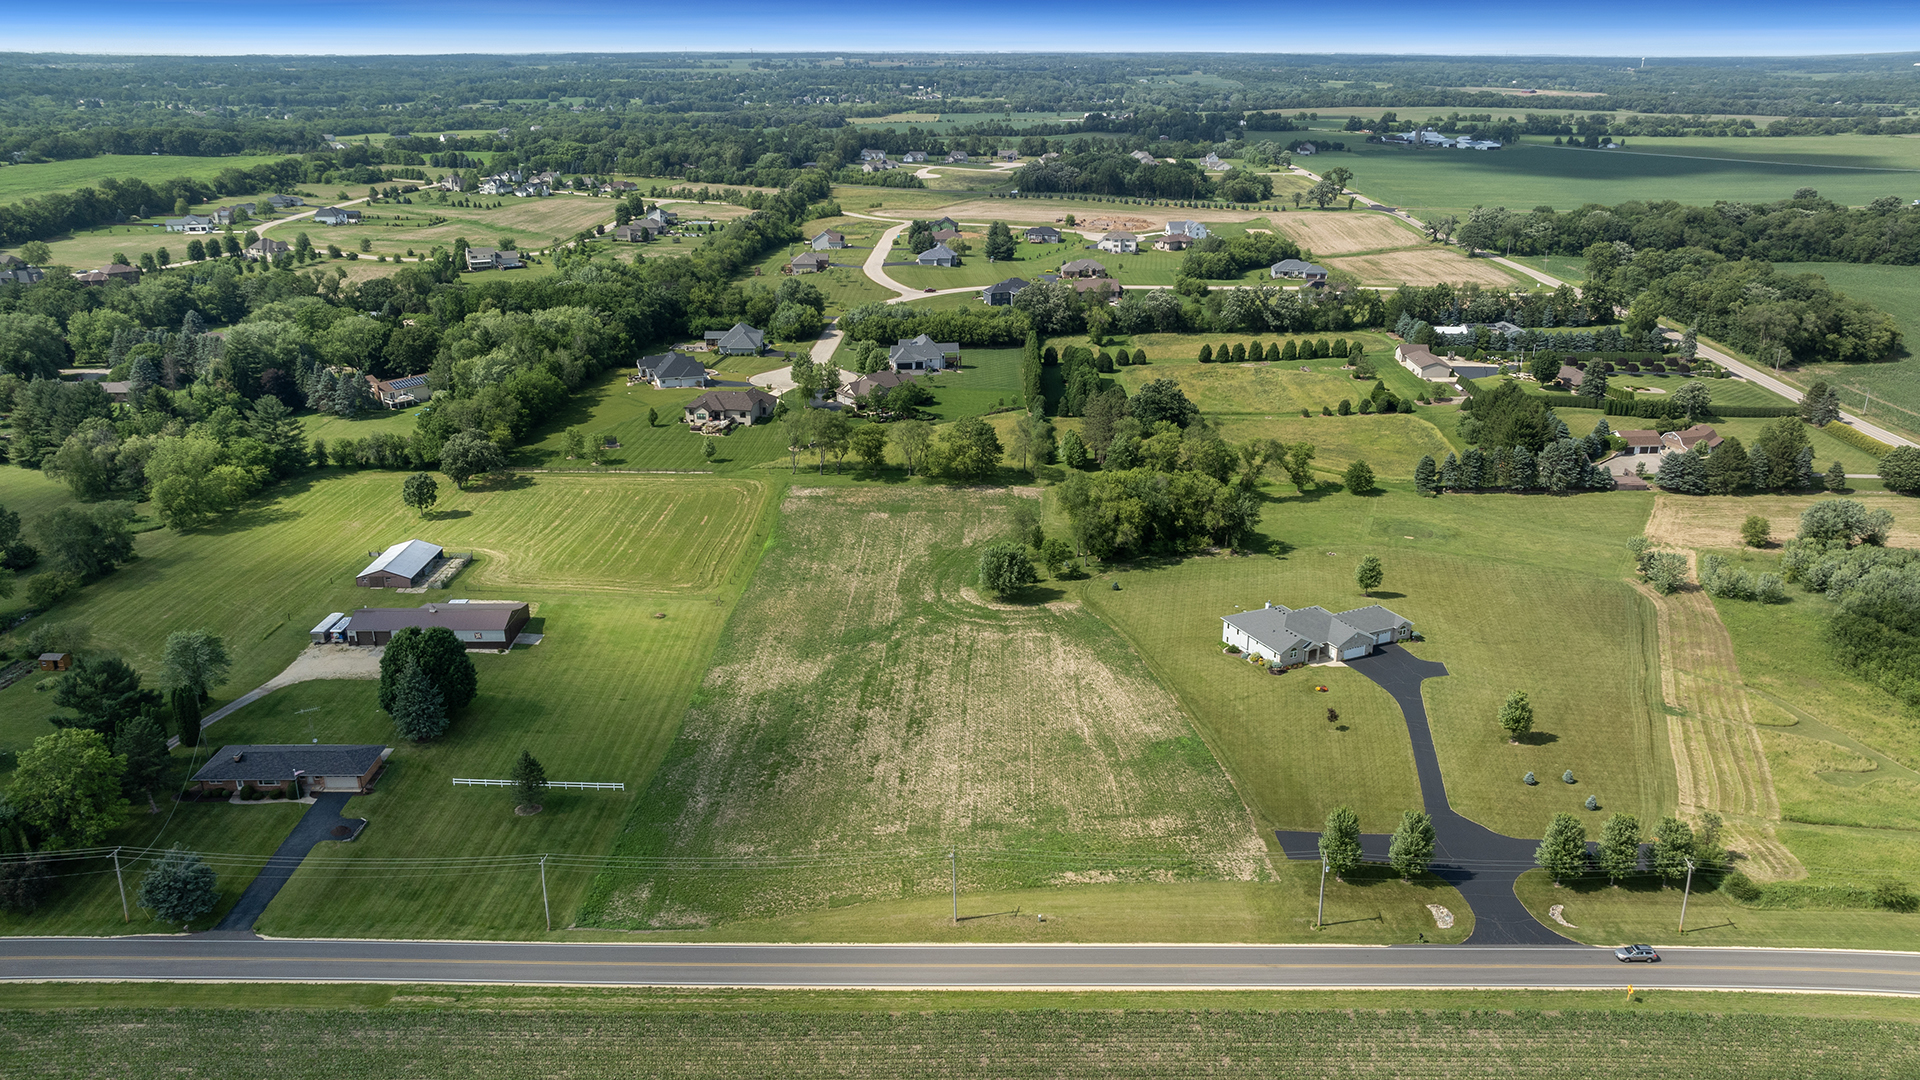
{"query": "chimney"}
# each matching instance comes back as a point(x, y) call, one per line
point(1269, 604)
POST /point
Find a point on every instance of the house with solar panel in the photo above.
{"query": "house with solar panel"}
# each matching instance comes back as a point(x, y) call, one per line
point(405, 565)
point(398, 393)
point(1313, 635)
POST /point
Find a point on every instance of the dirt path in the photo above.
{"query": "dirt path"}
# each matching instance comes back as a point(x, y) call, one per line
point(1716, 747)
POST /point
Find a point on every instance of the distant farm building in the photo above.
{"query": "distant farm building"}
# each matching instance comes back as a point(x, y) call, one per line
point(403, 566)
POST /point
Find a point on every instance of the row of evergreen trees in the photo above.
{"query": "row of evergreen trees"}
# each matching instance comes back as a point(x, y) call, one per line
point(1564, 464)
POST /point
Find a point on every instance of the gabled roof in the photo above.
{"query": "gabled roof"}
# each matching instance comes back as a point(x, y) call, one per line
point(731, 400)
point(673, 365)
point(410, 382)
point(1268, 626)
point(879, 380)
point(492, 615)
point(1044, 230)
point(1011, 285)
point(1081, 265)
point(405, 559)
point(1571, 375)
point(936, 253)
point(1371, 619)
point(922, 348)
point(276, 762)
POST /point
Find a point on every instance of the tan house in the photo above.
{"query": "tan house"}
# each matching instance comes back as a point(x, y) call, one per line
point(1421, 361)
point(735, 406)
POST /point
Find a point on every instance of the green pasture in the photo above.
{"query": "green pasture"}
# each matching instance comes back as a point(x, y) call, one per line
point(617, 409)
point(530, 223)
point(1470, 572)
point(1390, 445)
point(1568, 268)
point(27, 181)
point(1889, 391)
point(1852, 169)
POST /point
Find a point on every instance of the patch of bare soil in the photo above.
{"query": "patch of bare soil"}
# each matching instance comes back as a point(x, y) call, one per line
point(329, 662)
point(1422, 267)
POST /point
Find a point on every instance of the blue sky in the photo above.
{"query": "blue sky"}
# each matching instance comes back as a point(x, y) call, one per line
point(1483, 27)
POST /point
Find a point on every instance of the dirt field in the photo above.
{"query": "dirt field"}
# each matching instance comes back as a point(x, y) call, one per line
point(865, 702)
point(1346, 232)
point(1419, 267)
point(1683, 521)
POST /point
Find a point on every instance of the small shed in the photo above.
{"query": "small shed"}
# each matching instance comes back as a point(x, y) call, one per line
point(56, 661)
point(402, 566)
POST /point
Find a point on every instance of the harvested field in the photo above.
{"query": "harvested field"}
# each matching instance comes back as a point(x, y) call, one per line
point(865, 704)
point(1346, 232)
point(1422, 267)
point(1716, 748)
point(1044, 211)
point(1682, 521)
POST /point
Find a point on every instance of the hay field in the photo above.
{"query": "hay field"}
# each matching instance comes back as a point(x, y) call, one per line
point(1043, 211)
point(1345, 232)
point(866, 702)
point(532, 223)
point(1432, 266)
point(1684, 522)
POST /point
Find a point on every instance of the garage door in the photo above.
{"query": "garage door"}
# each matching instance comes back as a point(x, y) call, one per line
point(1384, 637)
point(1354, 653)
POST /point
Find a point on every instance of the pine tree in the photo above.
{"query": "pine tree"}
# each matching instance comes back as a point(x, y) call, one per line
point(419, 710)
point(1290, 352)
point(1684, 474)
point(1424, 477)
point(1516, 716)
point(1522, 471)
point(144, 745)
point(1803, 474)
point(1340, 841)
point(1836, 477)
point(1450, 473)
point(184, 702)
point(1412, 849)
point(1761, 467)
point(1620, 847)
point(1474, 474)
point(1563, 851)
point(180, 887)
point(530, 779)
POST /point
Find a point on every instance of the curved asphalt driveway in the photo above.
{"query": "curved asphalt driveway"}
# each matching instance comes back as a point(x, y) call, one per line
point(228, 959)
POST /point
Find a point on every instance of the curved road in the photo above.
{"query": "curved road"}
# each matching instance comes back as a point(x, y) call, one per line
point(248, 959)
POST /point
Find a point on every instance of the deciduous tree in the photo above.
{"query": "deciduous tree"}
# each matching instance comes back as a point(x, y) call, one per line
point(420, 492)
point(1516, 716)
point(1672, 847)
point(1412, 849)
point(1005, 568)
point(1359, 478)
point(440, 654)
point(469, 454)
point(1563, 851)
point(180, 888)
point(1369, 574)
point(196, 659)
point(67, 788)
point(1620, 847)
point(1340, 841)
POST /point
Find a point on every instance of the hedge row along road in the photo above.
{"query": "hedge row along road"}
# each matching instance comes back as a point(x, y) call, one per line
point(237, 958)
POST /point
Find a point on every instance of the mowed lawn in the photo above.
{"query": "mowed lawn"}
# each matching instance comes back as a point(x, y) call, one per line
point(866, 703)
point(1511, 593)
point(27, 181)
point(631, 579)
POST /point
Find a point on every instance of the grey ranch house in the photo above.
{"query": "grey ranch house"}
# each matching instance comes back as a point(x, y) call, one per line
point(1311, 635)
point(297, 769)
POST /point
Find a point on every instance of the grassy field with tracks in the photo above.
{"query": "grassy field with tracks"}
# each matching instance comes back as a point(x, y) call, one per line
point(195, 1031)
point(868, 703)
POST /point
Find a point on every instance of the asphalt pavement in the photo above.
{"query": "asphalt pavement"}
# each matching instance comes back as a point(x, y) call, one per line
point(1058, 967)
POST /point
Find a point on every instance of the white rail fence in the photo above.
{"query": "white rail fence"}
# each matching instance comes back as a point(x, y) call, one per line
point(573, 784)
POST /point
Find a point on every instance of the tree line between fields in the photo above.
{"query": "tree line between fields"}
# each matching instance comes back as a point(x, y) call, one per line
point(108, 753)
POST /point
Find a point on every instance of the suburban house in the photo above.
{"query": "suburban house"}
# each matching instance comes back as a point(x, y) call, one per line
point(634, 232)
point(266, 248)
point(618, 187)
point(453, 182)
point(1193, 230)
point(873, 155)
point(1298, 268)
point(1688, 438)
point(1306, 149)
point(14, 268)
point(1142, 157)
point(1009, 155)
point(673, 369)
point(192, 223)
point(1002, 293)
point(851, 393)
point(735, 406)
point(829, 241)
point(110, 272)
point(397, 393)
point(738, 340)
point(479, 624)
point(402, 566)
point(1571, 376)
point(877, 166)
point(914, 156)
point(1119, 243)
point(334, 215)
point(491, 259)
point(956, 156)
point(228, 215)
point(1421, 361)
point(1313, 635)
point(662, 215)
point(118, 392)
point(808, 262)
point(1213, 163)
point(281, 202)
point(938, 255)
point(1174, 241)
point(938, 224)
point(1083, 268)
point(1642, 443)
point(298, 769)
point(922, 354)
point(1043, 234)
point(944, 235)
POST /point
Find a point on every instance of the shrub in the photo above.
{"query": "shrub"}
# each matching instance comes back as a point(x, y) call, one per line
point(1756, 531)
point(48, 589)
point(1567, 776)
point(1859, 439)
point(24, 884)
point(1233, 650)
point(1900, 470)
point(1593, 803)
point(1895, 896)
point(1529, 780)
point(1740, 887)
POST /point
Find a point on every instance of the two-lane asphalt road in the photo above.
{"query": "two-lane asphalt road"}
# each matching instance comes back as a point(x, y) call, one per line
point(958, 967)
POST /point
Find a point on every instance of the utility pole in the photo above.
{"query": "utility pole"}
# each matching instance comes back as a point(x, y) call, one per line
point(543, 893)
point(1685, 895)
point(1319, 917)
point(125, 915)
point(954, 858)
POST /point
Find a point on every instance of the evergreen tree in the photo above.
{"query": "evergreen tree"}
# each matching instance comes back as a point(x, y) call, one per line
point(440, 654)
point(1672, 847)
point(1516, 716)
point(144, 746)
point(1562, 465)
point(1836, 477)
point(1760, 468)
point(1599, 440)
point(1424, 478)
point(1620, 847)
point(1727, 468)
point(1340, 841)
point(1206, 354)
point(1803, 474)
point(1450, 473)
point(1689, 344)
point(529, 779)
point(1000, 243)
point(1412, 849)
point(1474, 473)
point(1563, 851)
point(180, 888)
point(1593, 384)
point(419, 711)
point(1522, 470)
point(1683, 474)
point(1820, 405)
point(1290, 352)
point(184, 705)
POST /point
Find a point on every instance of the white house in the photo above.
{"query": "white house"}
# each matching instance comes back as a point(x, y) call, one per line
point(1313, 635)
point(672, 369)
point(1119, 243)
point(922, 354)
point(937, 255)
point(1191, 229)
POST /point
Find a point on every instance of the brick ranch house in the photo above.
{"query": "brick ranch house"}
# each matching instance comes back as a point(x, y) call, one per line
point(479, 624)
point(1313, 635)
point(298, 769)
